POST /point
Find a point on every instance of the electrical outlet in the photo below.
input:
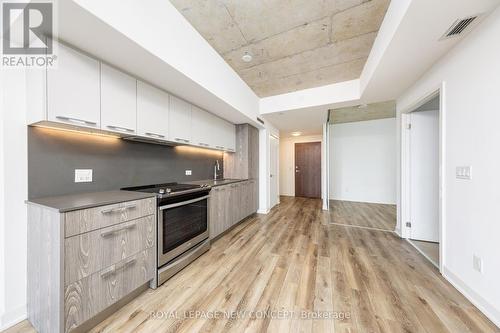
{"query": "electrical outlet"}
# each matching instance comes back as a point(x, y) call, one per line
point(477, 264)
point(463, 172)
point(83, 175)
point(189, 172)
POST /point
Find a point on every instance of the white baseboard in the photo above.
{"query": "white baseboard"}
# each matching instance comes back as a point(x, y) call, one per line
point(398, 232)
point(13, 317)
point(484, 306)
point(261, 211)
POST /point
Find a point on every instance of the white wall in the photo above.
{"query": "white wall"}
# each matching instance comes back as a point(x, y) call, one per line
point(14, 192)
point(287, 161)
point(363, 161)
point(471, 99)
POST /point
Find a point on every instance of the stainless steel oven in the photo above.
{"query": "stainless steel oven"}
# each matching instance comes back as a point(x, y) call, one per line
point(181, 225)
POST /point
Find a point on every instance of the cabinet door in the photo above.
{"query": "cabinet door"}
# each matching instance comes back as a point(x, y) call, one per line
point(229, 131)
point(73, 94)
point(203, 130)
point(118, 101)
point(180, 129)
point(215, 222)
point(237, 211)
point(254, 191)
point(152, 111)
point(253, 152)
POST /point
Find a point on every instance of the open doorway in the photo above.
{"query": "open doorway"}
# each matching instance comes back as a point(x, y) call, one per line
point(308, 169)
point(422, 177)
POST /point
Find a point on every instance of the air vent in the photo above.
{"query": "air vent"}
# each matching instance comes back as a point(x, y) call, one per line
point(459, 26)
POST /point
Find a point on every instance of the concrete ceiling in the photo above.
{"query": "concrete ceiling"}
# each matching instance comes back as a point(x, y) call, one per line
point(295, 44)
point(363, 112)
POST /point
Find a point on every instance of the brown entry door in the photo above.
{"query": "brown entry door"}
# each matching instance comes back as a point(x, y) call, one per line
point(308, 169)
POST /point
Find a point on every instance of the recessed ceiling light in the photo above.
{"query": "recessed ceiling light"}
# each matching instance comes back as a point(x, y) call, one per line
point(247, 57)
point(296, 133)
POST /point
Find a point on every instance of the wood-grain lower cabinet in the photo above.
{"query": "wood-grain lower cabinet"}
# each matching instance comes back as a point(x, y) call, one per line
point(230, 204)
point(83, 262)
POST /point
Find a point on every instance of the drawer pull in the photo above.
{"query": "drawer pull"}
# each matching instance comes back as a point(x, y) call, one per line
point(108, 271)
point(113, 269)
point(219, 147)
point(204, 144)
point(118, 209)
point(114, 231)
point(129, 262)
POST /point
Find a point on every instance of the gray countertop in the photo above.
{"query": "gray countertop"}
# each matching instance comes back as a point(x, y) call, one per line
point(214, 183)
point(66, 203)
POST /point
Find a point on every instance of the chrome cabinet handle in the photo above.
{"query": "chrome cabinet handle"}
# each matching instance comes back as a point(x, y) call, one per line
point(118, 209)
point(155, 135)
point(219, 147)
point(116, 230)
point(112, 269)
point(122, 129)
point(76, 120)
point(182, 140)
point(204, 144)
point(108, 271)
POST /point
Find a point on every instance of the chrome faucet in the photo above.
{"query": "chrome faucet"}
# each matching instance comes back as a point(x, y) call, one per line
point(216, 168)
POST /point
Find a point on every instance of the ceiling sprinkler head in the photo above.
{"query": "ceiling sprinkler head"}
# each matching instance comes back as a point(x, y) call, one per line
point(247, 57)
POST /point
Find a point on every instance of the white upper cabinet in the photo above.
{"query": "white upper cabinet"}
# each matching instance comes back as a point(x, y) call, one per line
point(203, 128)
point(73, 89)
point(152, 111)
point(229, 137)
point(118, 101)
point(179, 122)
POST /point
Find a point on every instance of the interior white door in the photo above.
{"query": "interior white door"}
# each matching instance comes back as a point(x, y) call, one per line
point(424, 176)
point(274, 185)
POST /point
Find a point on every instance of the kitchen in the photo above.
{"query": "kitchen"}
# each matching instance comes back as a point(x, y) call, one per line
point(216, 165)
point(156, 181)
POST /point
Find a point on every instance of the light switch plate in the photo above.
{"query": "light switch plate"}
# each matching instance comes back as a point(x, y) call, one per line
point(477, 263)
point(83, 175)
point(189, 172)
point(463, 172)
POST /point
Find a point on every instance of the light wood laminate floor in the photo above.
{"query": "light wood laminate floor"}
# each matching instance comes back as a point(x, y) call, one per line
point(430, 249)
point(363, 214)
point(292, 260)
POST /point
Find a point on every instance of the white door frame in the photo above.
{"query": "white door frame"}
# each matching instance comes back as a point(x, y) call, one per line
point(405, 168)
point(274, 177)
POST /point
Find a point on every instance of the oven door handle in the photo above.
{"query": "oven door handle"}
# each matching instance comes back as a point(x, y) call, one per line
point(183, 203)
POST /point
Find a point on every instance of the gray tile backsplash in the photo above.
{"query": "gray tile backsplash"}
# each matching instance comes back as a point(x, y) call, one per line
point(53, 156)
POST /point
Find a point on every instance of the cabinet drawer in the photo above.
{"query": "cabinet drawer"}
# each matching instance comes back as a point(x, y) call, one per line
point(90, 252)
point(80, 221)
point(87, 297)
